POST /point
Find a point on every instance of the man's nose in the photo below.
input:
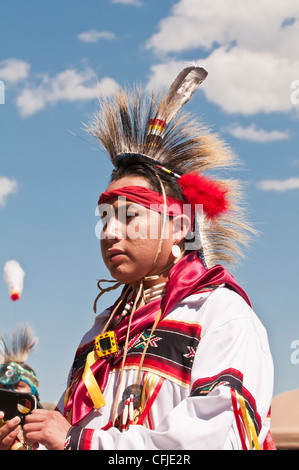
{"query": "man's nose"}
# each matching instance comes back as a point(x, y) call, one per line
point(113, 229)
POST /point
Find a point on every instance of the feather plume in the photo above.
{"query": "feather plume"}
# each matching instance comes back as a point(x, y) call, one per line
point(200, 190)
point(14, 278)
point(18, 347)
point(180, 92)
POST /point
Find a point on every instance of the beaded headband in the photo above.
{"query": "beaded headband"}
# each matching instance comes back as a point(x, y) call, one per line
point(11, 373)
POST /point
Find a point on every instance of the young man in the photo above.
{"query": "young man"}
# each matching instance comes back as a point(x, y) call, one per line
point(180, 361)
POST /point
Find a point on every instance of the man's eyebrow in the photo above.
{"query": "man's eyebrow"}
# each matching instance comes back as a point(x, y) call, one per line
point(117, 206)
point(126, 204)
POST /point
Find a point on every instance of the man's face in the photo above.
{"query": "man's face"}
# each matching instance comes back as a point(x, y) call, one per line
point(131, 236)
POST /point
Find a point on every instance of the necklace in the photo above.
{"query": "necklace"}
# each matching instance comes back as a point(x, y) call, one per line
point(132, 393)
point(152, 293)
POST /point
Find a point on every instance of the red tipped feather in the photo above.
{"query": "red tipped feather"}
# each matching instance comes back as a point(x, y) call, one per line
point(198, 189)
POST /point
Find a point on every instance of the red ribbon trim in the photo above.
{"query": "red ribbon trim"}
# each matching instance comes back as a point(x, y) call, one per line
point(150, 401)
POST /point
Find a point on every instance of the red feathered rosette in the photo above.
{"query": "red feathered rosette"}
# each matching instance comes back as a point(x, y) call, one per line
point(200, 190)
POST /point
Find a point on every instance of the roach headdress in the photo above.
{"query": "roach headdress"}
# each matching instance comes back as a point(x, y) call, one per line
point(14, 352)
point(153, 128)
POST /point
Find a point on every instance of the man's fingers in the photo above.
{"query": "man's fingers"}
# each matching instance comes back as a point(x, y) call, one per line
point(49, 428)
point(37, 415)
point(32, 439)
point(8, 440)
point(9, 432)
point(34, 426)
point(11, 425)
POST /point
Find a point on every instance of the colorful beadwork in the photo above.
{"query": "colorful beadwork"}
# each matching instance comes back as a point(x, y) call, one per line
point(106, 344)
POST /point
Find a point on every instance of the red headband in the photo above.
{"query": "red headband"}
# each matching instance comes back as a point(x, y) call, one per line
point(147, 198)
point(197, 189)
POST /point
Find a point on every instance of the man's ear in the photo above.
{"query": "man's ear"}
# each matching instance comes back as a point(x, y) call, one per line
point(181, 227)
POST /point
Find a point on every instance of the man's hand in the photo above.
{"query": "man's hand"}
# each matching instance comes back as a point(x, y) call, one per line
point(9, 432)
point(46, 427)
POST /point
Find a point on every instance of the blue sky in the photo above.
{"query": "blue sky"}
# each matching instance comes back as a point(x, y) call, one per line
point(55, 59)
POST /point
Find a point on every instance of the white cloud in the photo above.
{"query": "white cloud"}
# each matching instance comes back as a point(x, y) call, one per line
point(249, 82)
point(257, 25)
point(239, 81)
point(253, 134)
point(94, 36)
point(13, 70)
point(279, 185)
point(70, 85)
point(7, 187)
point(250, 50)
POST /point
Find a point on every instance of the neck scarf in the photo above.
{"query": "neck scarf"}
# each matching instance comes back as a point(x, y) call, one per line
point(185, 278)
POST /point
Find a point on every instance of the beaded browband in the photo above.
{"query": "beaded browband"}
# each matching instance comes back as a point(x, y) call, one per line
point(11, 373)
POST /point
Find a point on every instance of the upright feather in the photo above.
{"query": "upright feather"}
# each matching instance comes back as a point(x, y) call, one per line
point(181, 91)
